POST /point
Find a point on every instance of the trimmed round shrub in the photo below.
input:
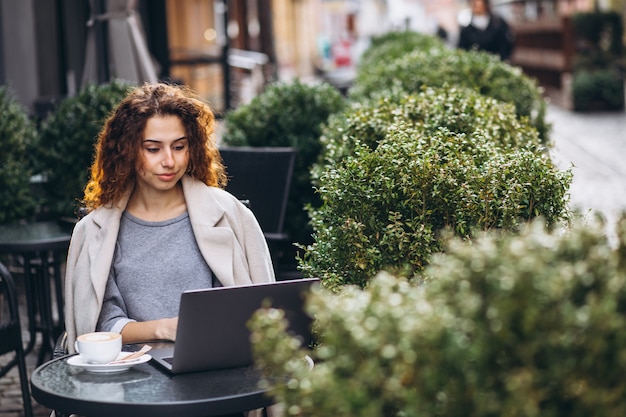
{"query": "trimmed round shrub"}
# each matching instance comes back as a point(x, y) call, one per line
point(530, 325)
point(68, 136)
point(288, 114)
point(385, 209)
point(390, 46)
point(592, 89)
point(19, 136)
point(480, 71)
point(459, 110)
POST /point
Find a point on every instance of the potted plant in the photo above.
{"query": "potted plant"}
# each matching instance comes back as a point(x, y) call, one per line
point(598, 81)
point(458, 109)
point(288, 114)
point(19, 138)
point(435, 67)
point(66, 148)
point(395, 176)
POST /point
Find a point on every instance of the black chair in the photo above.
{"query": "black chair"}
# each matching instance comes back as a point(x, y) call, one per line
point(11, 335)
point(263, 176)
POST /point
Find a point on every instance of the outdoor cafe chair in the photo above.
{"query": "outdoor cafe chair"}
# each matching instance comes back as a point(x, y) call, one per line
point(262, 175)
point(11, 335)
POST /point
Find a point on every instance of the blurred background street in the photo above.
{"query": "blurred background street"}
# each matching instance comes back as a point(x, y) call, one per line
point(594, 146)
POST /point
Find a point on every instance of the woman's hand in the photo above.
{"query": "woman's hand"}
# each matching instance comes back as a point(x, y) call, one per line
point(162, 329)
point(166, 329)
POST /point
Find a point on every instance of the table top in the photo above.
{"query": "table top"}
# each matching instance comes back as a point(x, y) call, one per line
point(146, 390)
point(27, 237)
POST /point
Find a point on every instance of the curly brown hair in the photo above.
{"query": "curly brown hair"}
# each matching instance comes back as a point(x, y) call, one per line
point(119, 143)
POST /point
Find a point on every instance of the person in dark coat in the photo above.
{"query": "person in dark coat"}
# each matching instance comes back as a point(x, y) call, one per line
point(486, 31)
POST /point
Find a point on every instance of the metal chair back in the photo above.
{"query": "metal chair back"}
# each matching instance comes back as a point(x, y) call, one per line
point(11, 335)
point(263, 176)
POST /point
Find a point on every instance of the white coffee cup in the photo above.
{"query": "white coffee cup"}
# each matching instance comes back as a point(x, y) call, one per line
point(99, 347)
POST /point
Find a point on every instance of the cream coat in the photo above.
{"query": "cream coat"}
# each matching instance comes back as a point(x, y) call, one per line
point(228, 235)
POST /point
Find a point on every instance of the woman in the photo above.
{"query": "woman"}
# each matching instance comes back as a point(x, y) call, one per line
point(159, 222)
point(485, 31)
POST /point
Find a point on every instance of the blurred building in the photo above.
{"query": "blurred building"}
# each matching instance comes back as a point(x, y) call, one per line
point(547, 47)
point(228, 50)
point(49, 49)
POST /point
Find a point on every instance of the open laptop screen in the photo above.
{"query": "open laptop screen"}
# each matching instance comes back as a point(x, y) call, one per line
point(212, 328)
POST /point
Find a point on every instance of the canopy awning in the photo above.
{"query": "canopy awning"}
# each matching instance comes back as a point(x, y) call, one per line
point(124, 55)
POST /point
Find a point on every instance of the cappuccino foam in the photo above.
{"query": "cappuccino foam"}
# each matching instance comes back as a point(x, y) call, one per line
point(98, 337)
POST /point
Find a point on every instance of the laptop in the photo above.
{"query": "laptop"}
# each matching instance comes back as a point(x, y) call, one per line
point(212, 330)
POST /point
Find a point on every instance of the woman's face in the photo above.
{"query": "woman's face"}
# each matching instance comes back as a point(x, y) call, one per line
point(164, 154)
point(479, 7)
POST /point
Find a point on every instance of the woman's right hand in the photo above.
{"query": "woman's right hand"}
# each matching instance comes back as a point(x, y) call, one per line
point(166, 329)
point(144, 331)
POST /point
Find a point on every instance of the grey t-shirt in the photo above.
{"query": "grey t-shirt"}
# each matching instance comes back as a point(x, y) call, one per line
point(154, 263)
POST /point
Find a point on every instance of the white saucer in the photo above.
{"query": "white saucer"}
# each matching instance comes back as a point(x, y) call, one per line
point(77, 360)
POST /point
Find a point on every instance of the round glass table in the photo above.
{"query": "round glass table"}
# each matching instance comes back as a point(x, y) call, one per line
point(146, 390)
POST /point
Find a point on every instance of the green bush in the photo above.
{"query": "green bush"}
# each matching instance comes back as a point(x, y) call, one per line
point(436, 67)
point(530, 325)
point(68, 136)
point(385, 209)
point(18, 136)
point(456, 109)
point(393, 45)
point(288, 114)
point(602, 88)
point(601, 31)
point(598, 82)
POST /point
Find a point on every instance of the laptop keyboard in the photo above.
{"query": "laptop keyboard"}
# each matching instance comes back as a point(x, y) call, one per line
point(169, 359)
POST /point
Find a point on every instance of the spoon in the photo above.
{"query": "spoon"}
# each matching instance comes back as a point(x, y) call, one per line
point(132, 356)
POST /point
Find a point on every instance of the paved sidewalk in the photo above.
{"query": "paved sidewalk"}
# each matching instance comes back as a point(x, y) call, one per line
point(10, 393)
point(11, 396)
point(593, 143)
point(594, 146)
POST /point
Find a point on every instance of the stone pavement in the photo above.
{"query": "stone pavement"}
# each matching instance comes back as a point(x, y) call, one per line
point(10, 393)
point(593, 144)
